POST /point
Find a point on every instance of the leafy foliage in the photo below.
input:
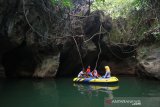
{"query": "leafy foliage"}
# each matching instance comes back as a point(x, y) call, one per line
point(131, 18)
point(66, 3)
point(115, 8)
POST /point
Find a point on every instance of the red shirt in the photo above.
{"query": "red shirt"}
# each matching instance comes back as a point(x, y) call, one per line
point(88, 70)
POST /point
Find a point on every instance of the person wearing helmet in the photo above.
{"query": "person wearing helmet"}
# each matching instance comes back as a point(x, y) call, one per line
point(108, 72)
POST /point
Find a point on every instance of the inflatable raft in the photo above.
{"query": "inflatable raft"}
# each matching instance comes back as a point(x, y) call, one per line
point(96, 80)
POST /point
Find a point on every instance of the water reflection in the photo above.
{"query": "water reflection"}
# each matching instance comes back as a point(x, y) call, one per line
point(28, 93)
point(95, 90)
point(63, 93)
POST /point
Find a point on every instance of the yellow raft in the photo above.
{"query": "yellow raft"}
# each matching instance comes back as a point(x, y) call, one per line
point(96, 80)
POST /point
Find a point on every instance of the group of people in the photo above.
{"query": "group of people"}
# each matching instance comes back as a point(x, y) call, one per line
point(94, 73)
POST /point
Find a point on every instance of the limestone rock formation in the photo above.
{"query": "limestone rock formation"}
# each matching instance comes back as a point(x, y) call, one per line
point(149, 66)
point(28, 32)
point(36, 39)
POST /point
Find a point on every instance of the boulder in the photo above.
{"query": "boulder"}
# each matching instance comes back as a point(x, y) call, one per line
point(149, 65)
point(48, 67)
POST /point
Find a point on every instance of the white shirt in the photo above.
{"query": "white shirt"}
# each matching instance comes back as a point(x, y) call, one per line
point(80, 74)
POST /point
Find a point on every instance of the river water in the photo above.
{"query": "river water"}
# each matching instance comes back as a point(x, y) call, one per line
point(62, 92)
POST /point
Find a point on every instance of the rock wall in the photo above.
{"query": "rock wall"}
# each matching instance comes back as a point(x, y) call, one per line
point(114, 55)
point(149, 55)
point(36, 40)
point(149, 65)
point(28, 32)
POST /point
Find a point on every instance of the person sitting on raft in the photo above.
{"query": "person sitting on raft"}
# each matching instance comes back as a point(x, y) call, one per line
point(81, 74)
point(95, 73)
point(88, 71)
point(108, 72)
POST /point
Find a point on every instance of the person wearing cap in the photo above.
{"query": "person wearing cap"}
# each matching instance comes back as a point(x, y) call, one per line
point(108, 72)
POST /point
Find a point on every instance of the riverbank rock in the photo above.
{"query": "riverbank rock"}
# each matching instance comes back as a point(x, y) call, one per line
point(48, 67)
point(149, 65)
point(28, 32)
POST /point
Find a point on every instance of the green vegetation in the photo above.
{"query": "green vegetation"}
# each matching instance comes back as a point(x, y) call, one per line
point(115, 8)
point(66, 3)
point(131, 18)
